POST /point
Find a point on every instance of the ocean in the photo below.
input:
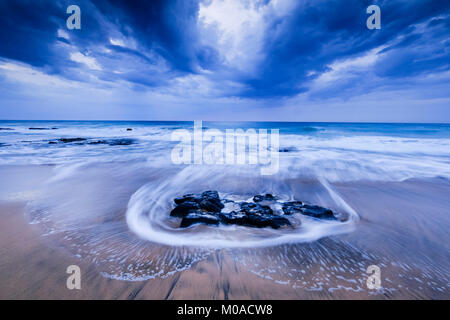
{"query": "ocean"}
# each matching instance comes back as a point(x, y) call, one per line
point(335, 151)
point(103, 191)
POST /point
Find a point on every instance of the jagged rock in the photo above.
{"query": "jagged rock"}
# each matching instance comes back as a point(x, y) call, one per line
point(260, 221)
point(207, 208)
point(208, 201)
point(255, 209)
point(185, 208)
point(292, 207)
point(233, 217)
point(211, 194)
point(265, 197)
point(317, 212)
point(210, 206)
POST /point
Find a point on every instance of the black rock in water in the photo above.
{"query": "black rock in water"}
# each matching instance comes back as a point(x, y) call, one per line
point(120, 142)
point(255, 209)
point(194, 218)
point(292, 207)
point(185, 208)
point(265, 197)
point(82, 141)
point(208, 201)
point(207, 208)
point(261, 221)
point(211, 206)
point(113, 142)
point(317, 212)
point(129, 129)
point(38, 128)
point(287, 149)
point(69, 140)
point(186, 197)
point(233, 217)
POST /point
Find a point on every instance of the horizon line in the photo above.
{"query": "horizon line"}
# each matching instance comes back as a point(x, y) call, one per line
point(263, 121)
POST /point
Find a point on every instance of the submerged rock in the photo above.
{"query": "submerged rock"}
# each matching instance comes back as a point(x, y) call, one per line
point(255, 209)
point(110, 142)
point(292, 207)
point(69, 140)
point(113, 142)
point(318, 212)
point(120, 142)
point(6, 129)
point(265, 197)
point(39, 128)
point(287, 149)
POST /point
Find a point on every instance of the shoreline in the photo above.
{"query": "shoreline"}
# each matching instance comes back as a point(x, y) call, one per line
point(397, 232)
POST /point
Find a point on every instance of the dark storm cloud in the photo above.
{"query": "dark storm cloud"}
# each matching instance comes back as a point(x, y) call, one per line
point(297, 48)
point(29, 34)
point(28, 30)
point(320, 32)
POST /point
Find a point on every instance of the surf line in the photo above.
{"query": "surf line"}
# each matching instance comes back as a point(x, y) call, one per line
point(234, 147)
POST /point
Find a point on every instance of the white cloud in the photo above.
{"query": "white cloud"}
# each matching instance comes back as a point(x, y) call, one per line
point(117, 42)
point(341, 69)
point(236, 29)
point(27, 75)
point(63, 34)
point(88, 61)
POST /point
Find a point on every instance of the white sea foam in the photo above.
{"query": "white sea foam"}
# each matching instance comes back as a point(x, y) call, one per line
point(148, 208)
point(334, 156)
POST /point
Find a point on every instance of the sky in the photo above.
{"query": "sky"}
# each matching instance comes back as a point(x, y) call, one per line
point(261, 60)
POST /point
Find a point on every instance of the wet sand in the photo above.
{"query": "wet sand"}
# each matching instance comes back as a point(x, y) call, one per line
point(403, 229)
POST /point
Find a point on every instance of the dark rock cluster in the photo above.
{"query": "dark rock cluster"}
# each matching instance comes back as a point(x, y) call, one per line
point(82, 141)
point(38, 128)
point(207, 208)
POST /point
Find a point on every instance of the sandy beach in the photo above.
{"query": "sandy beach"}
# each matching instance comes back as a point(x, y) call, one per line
point(406, 239)
point(225, 150)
